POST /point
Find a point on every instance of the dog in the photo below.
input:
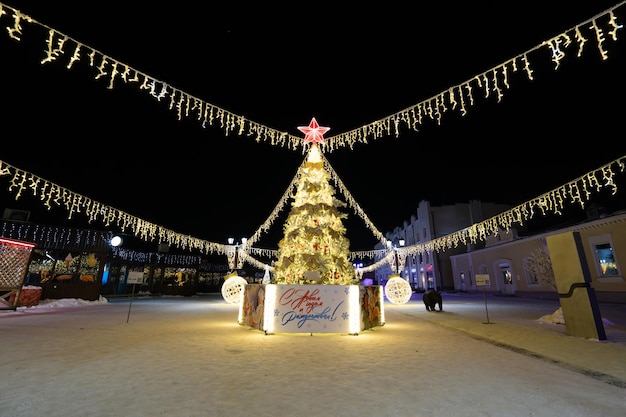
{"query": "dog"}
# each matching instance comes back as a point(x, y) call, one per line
point(431, 299)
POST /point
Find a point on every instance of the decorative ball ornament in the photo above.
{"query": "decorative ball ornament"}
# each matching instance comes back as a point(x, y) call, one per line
point(232, 288)
point(398, 290)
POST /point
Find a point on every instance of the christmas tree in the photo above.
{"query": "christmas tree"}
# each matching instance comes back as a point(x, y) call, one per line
point(314, 248)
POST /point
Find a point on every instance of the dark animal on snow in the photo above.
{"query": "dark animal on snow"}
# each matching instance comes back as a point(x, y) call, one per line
point(431, 299)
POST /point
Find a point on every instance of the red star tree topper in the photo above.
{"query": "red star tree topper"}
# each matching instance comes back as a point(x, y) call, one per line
point(313, 133)
point(314, 248)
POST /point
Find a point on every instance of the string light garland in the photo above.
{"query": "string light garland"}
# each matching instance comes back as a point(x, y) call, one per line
point(577, 191)
point(455, 98)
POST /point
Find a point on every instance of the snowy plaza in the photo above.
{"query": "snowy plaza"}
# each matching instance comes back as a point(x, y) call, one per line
point(181, 356)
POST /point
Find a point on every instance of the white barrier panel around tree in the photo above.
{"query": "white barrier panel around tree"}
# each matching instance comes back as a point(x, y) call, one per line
point(346, 309)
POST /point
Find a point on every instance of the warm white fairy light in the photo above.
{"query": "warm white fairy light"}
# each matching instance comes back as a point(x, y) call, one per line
point(164, 92)
point(557, 54)
point(529, 71)
point(15, 32)
point(505, 76)
point(599, 39)
point(451, 98)
point(581, 40)
point(463, 109)
point(468, 87)
point(614, 25)
point(435, 107)
point(486, 85)
point(496, 86)
point(52, 53)
point(607, 177)
point(75, 57)
point(135, 78)
point(114, 73)
point(208, 114)
point(145, 85)
point(92, 57)
point(439, 103)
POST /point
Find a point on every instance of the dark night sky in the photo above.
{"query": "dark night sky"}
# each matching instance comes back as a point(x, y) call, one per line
point(281, 66)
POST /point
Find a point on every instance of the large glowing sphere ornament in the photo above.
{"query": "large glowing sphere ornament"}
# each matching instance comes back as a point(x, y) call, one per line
point(398, 290)
point(232, 288)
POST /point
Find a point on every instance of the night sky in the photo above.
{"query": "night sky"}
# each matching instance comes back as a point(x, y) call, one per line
point(280, 66)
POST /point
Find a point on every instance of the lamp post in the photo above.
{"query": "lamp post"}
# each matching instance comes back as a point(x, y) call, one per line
point(234, 285)
point(396, 256)
point(235, 260)
point(401, 243)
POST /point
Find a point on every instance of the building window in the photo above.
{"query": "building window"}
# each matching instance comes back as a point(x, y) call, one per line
point(604, 253)
point(507, 276)
point(462, 280)
point(604, 258)
point(538, 268)
point(531, 271)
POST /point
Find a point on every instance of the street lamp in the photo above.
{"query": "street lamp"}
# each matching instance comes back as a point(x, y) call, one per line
point(401, 243)
point(234, 285)
point(116, 241)
point(235, 261)
point(396, 256)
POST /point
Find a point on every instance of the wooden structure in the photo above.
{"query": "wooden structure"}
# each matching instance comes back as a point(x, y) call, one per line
point(14, 260)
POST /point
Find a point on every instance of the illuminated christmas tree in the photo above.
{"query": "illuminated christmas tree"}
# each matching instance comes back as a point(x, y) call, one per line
point(314, 248)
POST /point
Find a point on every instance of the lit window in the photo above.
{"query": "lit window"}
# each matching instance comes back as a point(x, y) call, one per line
point(604, 254)
point(606, 264)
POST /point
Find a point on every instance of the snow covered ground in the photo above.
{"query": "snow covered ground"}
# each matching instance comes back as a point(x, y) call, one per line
point(188, 356)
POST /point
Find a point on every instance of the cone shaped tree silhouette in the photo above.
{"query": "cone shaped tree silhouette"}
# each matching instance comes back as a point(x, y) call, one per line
point(314, 248)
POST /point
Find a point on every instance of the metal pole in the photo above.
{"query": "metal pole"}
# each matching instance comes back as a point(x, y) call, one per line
point(397, 261)
point(131, 302)
point(486, 311)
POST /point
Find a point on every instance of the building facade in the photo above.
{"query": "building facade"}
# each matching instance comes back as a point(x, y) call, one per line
point(433, 270)
point(514, 261)
point(522, 266)
point(81, 263)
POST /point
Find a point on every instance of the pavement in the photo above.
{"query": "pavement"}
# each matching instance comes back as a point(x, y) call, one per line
point(513, 322)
